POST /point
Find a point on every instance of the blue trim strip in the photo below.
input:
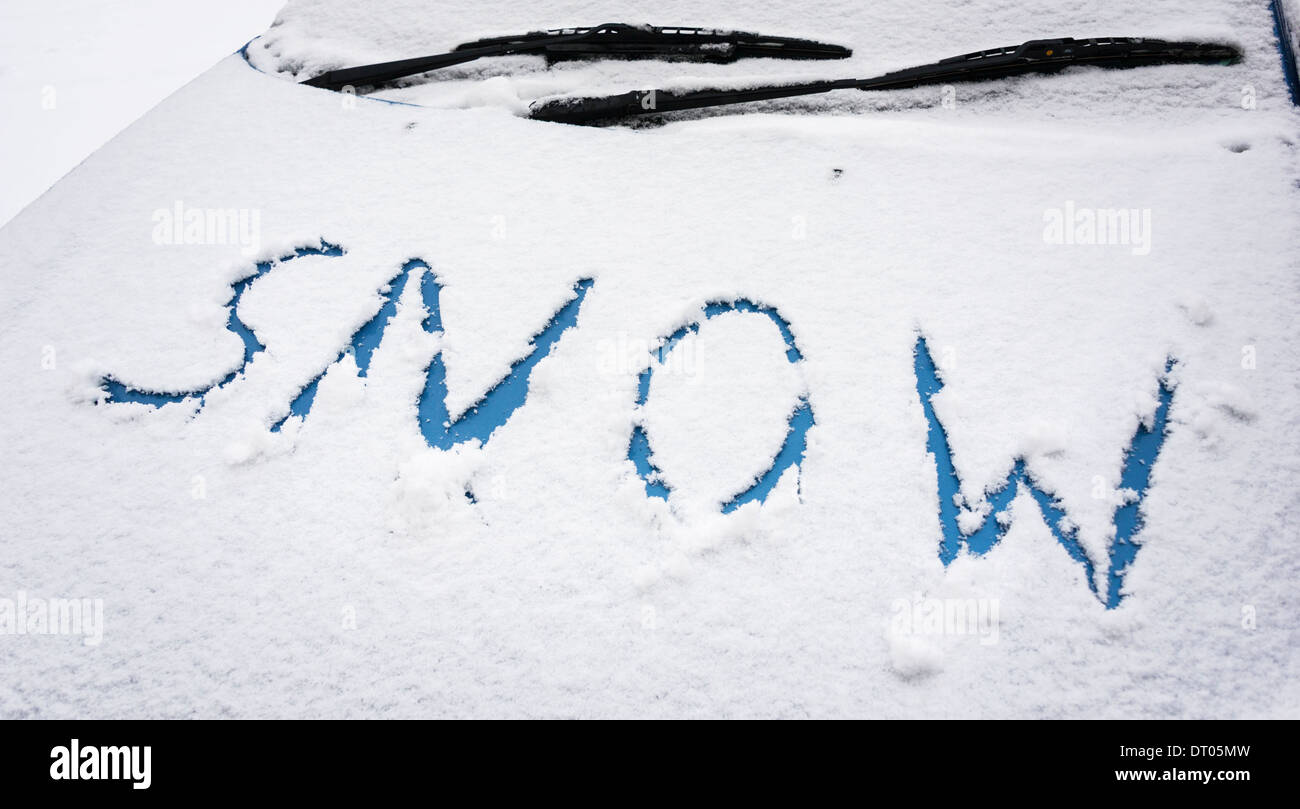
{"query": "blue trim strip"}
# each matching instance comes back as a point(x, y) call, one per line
point(1286, 47)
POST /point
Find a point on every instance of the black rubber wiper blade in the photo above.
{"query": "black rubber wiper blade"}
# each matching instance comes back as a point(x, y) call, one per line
point(623, 41)
point(1035, 56)
point(608, 41)
point(364, 75)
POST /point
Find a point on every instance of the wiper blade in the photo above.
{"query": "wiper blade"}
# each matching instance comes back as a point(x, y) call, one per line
point(622, 41)
point(1035, 56)
point(608, 41)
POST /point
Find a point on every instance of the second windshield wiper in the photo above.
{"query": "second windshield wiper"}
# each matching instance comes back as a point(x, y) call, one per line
point(1035, 56)
point(608, 41)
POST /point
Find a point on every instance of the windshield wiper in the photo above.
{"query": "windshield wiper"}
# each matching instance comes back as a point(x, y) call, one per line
point(1035, 56)
point(608, 41)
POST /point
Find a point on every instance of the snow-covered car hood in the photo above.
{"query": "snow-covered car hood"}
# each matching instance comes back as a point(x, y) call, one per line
point(259, 559)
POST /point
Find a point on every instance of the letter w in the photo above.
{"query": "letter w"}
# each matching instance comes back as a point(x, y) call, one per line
point(1135, 477)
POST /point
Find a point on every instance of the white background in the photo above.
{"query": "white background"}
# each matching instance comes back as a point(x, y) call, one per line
point(74, 73)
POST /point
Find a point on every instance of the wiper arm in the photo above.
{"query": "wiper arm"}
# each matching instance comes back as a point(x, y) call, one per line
point(608, 41)
point(1035, 56)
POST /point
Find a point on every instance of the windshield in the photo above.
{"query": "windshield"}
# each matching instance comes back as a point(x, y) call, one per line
point(619, 41)
point(857, 43)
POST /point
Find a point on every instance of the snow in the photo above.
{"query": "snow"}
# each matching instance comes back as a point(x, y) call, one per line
point(74, 73)
point(337, 568)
